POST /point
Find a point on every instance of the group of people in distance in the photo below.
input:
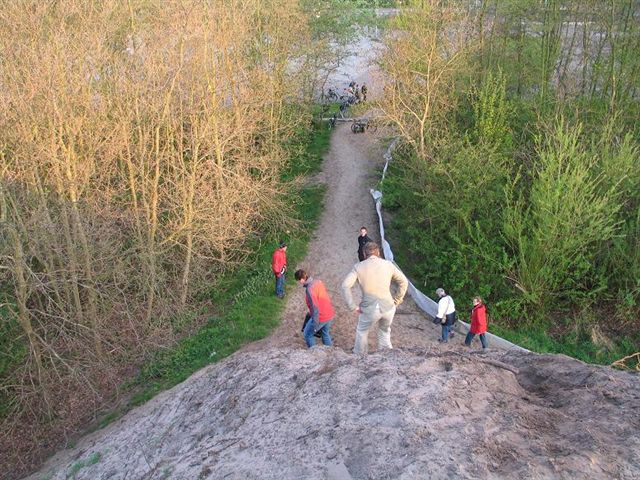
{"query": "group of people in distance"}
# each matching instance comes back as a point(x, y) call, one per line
point(379, 301)
point(356, 92)
point(352, 94)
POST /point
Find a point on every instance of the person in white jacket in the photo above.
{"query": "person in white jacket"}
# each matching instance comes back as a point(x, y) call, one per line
point(446, 314)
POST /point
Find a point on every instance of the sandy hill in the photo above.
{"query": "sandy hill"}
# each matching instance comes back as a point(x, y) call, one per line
point(290, 413)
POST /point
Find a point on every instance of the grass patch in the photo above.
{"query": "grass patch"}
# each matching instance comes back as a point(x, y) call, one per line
point(79, 465)
point(576, 344)
point(309, 146)
point(108, 418)
point(247, 307)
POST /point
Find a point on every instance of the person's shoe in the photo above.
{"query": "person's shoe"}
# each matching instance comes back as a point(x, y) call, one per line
point(452, 334)
point(442, 341)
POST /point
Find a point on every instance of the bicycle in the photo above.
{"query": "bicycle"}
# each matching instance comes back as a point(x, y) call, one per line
point(343, 109)
point(332, 95)
point(360, 126)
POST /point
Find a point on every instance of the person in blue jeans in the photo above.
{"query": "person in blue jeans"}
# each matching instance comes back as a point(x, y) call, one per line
point(478, 323)
point(279, 267)
point(446, 314)
point(321, 311)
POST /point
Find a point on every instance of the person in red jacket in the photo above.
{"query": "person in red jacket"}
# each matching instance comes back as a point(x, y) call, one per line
point(279, 267)
point(321, 311)
point(478, 323)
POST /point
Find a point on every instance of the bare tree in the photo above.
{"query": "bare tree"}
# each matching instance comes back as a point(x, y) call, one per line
point(141, 144)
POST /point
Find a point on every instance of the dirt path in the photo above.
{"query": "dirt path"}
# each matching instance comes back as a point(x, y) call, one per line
point(351, 168)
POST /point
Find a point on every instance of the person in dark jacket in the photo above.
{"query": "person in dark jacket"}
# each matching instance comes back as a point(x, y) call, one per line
point(478, 323)
point(279, 267)
point(363, 239)
point(321, 311)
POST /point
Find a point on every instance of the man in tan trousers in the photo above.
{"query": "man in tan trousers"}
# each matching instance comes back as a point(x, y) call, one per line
point(378, 302)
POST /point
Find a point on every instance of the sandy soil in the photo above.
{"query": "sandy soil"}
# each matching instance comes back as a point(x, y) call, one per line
point(291, 413)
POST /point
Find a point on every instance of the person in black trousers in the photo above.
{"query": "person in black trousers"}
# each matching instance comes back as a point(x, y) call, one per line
point(363, 239)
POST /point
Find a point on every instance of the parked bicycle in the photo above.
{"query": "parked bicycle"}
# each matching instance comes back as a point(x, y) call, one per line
point(332, 95)
point(364, 124)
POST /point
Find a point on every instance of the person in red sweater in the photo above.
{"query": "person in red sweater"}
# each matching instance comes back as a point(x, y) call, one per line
point(321, 311)
point(279, 267)
point(478, 323)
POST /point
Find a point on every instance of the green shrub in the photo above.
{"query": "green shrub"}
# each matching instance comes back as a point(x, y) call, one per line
point(541, 216)
point(557, 225)
point(492, 113)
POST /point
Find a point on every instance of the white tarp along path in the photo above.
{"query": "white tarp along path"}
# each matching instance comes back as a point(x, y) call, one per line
point(425, 303)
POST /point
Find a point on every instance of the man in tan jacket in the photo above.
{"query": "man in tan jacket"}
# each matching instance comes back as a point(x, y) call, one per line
point(378, 302)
